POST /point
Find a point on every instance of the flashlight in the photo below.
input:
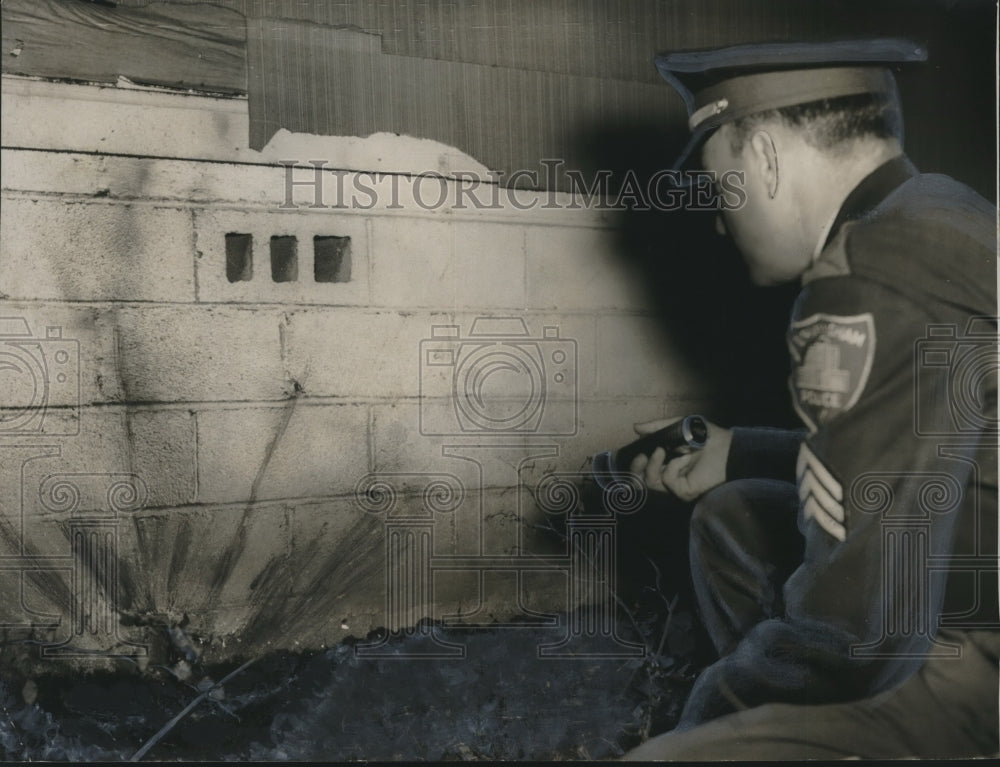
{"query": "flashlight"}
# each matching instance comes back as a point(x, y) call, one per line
point(691, 431)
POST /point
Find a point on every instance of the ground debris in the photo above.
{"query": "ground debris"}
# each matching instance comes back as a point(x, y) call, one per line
point(500, 701)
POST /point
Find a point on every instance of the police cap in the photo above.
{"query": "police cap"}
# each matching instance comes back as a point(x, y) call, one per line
point(726, 84)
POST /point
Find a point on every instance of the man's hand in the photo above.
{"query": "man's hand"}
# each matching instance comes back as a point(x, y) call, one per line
point(687, 476)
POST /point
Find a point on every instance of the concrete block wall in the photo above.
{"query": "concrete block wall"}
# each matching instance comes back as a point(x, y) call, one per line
point(252, 409)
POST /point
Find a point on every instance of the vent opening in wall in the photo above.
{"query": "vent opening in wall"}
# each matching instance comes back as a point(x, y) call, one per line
point(284, 259)
point(239, 257)
point(331, 259)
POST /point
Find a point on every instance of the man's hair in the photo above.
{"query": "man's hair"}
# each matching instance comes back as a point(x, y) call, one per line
point(829, 123)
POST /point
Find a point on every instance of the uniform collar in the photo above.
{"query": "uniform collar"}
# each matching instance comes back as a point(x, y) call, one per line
point(874, 188)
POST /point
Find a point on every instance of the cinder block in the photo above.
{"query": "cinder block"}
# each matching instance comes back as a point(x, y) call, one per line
point(144, 122)
point(195, 183)
point(76, 251)
point(635, 358)
point(572, 332)
point(489, 265)
point(194, 353)
point(345, 353)
point(473, 520)
point(409, 459)
point(24, 597)
point(158, 447)
point(59, 356)
point(299, 450)
point(148, 353)
point(309, 574)
point(510, 375)
point(340, 564)
point(28, 170)
point(505, 526)
point(124, 121)
point(337, 549)
point(580, 268)
point(340, 575)
point(400, 448)
point(121, 177)
point(212, 226)
point(336, 565)
point(338, 569)
point(196, 561)
point(161, 448)
point(413, 263)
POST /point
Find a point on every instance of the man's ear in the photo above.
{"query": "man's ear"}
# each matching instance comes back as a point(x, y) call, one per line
point(764, 157)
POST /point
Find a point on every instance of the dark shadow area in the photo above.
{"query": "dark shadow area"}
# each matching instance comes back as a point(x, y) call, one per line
point(949, 102)
point(728, 331)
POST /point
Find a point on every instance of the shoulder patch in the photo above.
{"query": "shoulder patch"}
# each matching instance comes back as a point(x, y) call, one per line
point(832, 359)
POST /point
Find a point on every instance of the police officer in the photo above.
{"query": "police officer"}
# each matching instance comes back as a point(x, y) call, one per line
point(846, 573)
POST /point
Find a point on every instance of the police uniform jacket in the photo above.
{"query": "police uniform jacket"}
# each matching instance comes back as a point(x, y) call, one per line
point(893, 350)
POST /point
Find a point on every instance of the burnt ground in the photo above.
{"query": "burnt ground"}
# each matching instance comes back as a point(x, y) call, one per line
point(501, 701)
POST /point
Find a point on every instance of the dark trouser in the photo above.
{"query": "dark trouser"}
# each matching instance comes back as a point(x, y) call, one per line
point(744, 545)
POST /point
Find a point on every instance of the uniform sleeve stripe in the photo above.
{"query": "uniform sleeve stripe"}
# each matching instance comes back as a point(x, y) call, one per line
point(820, 493)
point(813, 510)
point(808, 460)
point(809, 486)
